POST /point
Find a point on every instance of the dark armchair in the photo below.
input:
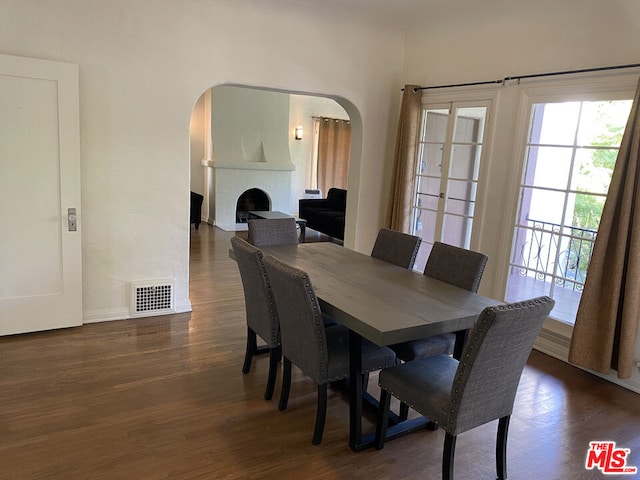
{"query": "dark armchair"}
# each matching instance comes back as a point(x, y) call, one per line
point(196, 208)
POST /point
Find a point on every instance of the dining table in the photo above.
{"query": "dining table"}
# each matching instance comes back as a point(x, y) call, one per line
point(384, 303)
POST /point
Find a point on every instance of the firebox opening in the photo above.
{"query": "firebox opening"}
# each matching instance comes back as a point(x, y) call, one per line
point(253, 199)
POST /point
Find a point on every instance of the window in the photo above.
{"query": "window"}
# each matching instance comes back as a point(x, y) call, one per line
point(448, 166)
point(570, 154)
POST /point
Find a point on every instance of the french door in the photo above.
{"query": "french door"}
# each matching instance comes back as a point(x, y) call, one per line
point(448, 170)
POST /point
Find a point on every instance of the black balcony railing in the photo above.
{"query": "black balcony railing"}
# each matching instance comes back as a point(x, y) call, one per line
point(558, 253)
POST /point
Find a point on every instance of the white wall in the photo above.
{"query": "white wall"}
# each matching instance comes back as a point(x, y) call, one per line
point(143, 65)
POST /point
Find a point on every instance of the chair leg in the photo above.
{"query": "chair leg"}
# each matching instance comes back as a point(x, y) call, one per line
point(403, 412)
point(501, 447)
point(286, 384)
point(321, 414)
point(252, 346)
point(447, 456)
point(274, 358)
point(383, 418)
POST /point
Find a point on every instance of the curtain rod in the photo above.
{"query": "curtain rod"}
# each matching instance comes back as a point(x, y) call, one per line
point(534, 75)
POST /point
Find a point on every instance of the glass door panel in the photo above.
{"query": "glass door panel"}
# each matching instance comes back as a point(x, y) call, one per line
point(447, 175)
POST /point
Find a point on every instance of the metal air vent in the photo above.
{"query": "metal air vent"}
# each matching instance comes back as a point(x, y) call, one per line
point(151, 298)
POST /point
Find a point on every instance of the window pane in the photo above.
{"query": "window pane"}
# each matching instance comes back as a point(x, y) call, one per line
point(428, 201)
point(464, 161)
point(425, 224)
point(541, 205)
point(435, 129)
point(431, 159)
point(461, 197)
point(584, 211)
point(536, 248)
point(548, 167)
point(573, 259)
point(554, 123)
point(457, 230)
point(469, 124)
point(603, 123)
point(428, 186)
point(593, 169)
point(423, 255)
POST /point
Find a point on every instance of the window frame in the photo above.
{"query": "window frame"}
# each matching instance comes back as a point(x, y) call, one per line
point(557, 333)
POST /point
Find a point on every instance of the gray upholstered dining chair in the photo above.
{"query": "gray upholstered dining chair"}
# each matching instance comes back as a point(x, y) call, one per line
point(396, 247)
point(262, 317)
point(480, 388)
point(276, 231)
point(454, 265)
point(321, 353)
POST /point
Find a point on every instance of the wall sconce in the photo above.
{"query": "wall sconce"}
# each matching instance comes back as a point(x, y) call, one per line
point(298, 132)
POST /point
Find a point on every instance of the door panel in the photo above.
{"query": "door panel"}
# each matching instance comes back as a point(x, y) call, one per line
point(40, 260)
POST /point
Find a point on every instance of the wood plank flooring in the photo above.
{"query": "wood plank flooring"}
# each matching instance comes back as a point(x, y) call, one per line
point(164, 398)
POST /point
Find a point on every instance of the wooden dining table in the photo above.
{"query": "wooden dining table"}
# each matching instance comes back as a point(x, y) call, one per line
point(383, 303)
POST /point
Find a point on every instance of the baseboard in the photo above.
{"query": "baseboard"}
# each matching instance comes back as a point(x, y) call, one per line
point(557, 346)
point(125, 314)
point(553, 344)
point(183, 308)
point(107, 316)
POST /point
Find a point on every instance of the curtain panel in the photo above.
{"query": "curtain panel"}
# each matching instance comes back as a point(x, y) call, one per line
point(334, 149)
point(399, 209)
point(606, 325)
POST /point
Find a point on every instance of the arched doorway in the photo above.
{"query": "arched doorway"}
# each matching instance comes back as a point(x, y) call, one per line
point(253, 137)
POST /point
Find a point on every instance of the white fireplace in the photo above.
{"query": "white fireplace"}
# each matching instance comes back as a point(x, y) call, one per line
point(232, 180)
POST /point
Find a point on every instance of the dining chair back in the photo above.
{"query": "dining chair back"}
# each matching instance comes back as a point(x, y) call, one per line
point(262, 317)
point(454, 265)
point(457, 266)
point(481, 387)
point(272, 231)
point(396, 247)
point(322, 353)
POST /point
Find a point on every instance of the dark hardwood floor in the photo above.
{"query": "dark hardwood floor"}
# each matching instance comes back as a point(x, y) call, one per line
point(164, 398)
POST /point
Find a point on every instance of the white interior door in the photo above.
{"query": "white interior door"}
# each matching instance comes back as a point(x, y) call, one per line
point(40, 258)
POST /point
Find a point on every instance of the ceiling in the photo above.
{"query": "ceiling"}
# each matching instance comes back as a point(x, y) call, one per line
point(407, 13)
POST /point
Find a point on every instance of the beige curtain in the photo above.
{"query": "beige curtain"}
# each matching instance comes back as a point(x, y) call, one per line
point(607, 322)
point(334, 147)
point(401, 199)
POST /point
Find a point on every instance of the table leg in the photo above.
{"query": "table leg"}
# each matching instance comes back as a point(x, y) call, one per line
point(355, 391)
point(461, 339)
point(358, 441)
point(303, 231)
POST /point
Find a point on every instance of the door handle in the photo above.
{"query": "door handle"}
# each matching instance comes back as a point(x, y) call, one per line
point(72, 220)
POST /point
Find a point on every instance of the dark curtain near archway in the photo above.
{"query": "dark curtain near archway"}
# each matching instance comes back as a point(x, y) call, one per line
point(334, 147)
point(606, 325)
point(399, 210)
